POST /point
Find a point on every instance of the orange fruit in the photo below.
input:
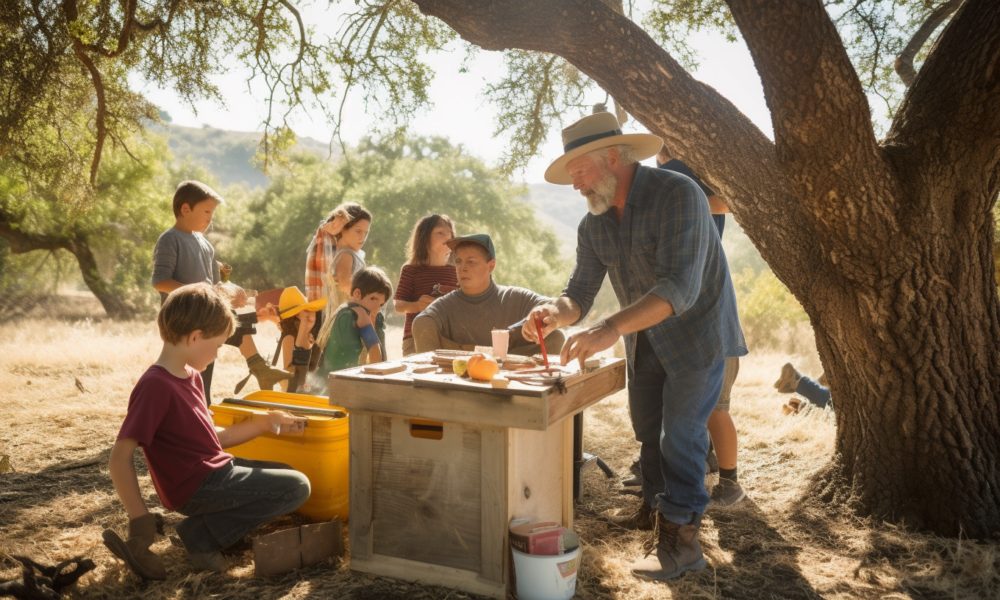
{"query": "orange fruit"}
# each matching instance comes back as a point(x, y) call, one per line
point(482, 367)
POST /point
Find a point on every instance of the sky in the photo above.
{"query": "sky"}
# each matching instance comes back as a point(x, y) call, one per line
point(460, 112)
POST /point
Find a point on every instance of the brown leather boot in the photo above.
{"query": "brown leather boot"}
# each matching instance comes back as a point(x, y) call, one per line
point(643, 519)
point(677, 550)
point(267, 376)
point(135, 552)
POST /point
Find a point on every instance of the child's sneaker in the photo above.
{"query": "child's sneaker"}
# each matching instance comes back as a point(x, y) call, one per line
point(726, 493)
point(788, 380)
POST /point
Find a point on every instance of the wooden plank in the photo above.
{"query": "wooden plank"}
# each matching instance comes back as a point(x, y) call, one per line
point(427, 503)
point(320, 541)
point(586, 392)
point(456, 406)
point(384, 368)
point(360, 522)
point(567, 474)
point(536, 463)
point(277, 553)
point(494, 503)
point(425, 574)
point(454, 382)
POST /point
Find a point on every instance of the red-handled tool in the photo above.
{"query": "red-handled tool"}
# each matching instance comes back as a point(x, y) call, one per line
point(541, 340)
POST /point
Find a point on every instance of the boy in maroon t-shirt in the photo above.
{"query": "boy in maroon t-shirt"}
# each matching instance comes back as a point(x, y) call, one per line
point(223, 498)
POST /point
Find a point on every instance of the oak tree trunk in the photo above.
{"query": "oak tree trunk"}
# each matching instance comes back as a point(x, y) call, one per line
point(887, 245)
point(75, 243)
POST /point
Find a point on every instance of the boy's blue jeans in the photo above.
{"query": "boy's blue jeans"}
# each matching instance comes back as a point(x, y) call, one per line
point(811, 390)
point(670, 420)
point(235, 499)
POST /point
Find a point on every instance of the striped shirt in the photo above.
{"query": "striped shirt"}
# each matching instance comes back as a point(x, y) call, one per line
point(419, 280)
point(665, 244)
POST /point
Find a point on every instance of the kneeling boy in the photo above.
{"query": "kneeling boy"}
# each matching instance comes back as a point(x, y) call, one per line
point(223, 498)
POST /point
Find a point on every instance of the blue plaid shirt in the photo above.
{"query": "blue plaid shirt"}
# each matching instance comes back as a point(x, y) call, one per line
point(667, 245)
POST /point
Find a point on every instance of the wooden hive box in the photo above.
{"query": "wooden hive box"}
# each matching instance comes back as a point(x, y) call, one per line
point(439, 466)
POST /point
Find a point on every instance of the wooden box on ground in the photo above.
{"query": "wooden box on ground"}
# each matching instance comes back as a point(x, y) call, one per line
point(439, 466)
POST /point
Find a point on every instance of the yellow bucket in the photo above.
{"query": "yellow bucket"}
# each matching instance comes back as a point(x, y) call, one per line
point(321, 453)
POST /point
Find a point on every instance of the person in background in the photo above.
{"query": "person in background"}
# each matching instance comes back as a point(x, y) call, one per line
point(297, 319)
point(350, 258)
point(427, 274)
point(358, 333)
point(319, 262)
point(720, 424)
point(813, 390)
point(467, 317)
point(184, 256)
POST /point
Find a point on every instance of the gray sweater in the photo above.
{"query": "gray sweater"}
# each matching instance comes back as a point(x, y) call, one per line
point(185, 258)
point(468, 320)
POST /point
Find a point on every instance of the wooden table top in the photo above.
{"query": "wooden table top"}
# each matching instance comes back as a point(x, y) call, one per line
point(447, 397)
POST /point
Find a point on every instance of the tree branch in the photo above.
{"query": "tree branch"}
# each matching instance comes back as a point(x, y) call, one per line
point(818, 105)
point(951, 114)
point(904, 62)
point(70, 9)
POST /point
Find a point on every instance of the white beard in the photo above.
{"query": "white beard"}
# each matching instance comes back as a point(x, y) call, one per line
point(602, 197)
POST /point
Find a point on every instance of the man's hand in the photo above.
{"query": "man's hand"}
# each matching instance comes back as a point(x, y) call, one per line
point(549, 314)
point(363, 317)
point(584, 344)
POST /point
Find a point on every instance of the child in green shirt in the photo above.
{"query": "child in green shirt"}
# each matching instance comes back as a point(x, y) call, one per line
point(357, 338)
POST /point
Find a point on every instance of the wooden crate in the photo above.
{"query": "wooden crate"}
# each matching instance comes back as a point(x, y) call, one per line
point(436, 510)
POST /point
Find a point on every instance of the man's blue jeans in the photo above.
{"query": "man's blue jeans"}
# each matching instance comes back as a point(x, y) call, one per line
point(236, 498)
point(670, 420)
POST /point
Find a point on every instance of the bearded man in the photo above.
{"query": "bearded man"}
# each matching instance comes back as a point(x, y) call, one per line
point(651, 231)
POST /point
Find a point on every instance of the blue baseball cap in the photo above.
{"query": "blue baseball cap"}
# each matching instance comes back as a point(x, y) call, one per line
point(479, 238)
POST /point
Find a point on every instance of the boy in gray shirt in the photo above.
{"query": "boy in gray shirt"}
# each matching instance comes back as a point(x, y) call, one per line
point(183, 256)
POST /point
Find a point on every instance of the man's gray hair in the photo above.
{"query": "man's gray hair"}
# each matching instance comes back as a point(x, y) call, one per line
point(626, 154)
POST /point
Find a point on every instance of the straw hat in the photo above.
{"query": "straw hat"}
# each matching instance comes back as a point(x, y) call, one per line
point(593, 132)
point(293, 302)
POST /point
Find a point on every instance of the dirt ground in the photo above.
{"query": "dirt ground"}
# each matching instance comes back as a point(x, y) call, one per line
point(65, 385)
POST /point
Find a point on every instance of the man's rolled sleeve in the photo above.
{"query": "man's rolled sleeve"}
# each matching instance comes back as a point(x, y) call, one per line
point(588, 275)
point(682, 249)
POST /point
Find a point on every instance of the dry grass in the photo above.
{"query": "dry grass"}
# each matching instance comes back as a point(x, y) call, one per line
point(776, 544)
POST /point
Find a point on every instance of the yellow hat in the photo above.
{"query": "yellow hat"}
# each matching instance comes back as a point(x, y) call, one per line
point(598, 131)
point(293, 302)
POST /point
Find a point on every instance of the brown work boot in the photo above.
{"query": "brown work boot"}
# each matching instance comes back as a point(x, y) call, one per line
point(267, 376)
point(135, 552)
point(822, 380)
point(643, 519)
point(677, 550)
point(788, 380)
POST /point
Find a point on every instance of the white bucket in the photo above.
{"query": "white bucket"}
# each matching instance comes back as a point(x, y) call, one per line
point(546, 577)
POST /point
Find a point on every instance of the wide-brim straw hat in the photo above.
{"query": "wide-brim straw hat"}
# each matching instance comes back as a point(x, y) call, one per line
point(593, 132)
point(293, 301)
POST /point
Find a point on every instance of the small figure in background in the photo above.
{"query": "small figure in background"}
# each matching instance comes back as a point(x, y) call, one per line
point(813, 390)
